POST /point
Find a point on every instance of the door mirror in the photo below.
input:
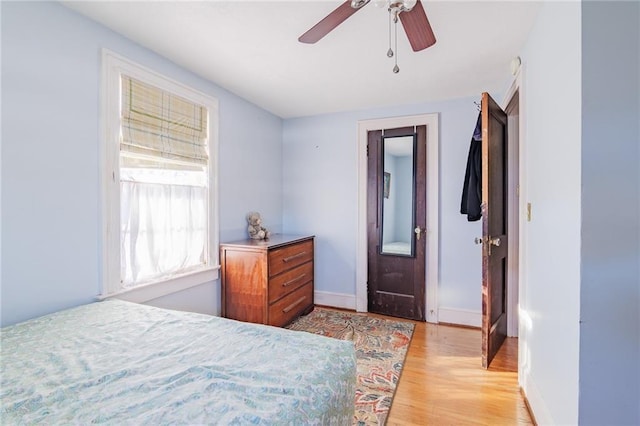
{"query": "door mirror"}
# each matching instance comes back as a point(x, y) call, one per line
point(397, 187)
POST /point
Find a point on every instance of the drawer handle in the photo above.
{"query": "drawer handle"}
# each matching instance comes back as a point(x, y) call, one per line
point(293, 305)
point(295, 280)
point(295, 256)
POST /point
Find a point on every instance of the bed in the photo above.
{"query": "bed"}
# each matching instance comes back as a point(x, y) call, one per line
point(116, 362)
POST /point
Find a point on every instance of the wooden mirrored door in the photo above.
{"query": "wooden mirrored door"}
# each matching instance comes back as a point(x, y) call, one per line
point(396, 221)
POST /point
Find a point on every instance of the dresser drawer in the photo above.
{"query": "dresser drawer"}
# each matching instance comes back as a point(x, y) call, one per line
point(289, 307)
point(290, 280)
point(288, 257)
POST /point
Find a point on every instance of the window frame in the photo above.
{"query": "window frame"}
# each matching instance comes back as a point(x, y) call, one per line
point(113, 66)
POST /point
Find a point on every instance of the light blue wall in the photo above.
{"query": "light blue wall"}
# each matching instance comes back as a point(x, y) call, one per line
point(321, 195)
point(550, 289)
point(580, 318)
point(610, 289)
point(51, 217)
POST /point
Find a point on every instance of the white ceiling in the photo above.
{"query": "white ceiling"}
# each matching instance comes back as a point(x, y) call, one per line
point(251, 49)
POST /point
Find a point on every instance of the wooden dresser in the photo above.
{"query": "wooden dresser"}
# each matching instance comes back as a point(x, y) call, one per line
point(267, 281)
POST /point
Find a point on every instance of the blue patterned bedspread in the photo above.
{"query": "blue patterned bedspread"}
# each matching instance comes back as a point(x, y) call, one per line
point(116, 362)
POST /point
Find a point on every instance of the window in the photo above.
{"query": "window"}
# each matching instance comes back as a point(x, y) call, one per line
point(160, 194)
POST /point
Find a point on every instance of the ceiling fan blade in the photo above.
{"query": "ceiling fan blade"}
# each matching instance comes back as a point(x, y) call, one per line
point(417, 27)
point(330, 21)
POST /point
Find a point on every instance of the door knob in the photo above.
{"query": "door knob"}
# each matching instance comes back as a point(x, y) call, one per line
point(419, 231)
point(491, 241)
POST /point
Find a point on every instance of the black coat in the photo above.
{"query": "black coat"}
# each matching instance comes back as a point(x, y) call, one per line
point(472, 188)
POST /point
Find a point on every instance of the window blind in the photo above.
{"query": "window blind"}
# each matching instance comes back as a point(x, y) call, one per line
point(159, 124)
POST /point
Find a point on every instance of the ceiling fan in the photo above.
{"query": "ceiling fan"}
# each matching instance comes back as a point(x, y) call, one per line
point(411, 14)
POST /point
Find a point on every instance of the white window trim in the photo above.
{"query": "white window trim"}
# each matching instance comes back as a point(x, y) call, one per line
point(113, 65)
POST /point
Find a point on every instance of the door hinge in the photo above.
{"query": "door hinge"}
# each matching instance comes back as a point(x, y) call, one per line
point(367, 150)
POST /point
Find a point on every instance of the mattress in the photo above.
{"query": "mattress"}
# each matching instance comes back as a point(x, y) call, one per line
point(116, 362)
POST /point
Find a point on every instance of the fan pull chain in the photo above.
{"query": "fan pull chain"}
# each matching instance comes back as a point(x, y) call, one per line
point(390, 51)
point(396, 69)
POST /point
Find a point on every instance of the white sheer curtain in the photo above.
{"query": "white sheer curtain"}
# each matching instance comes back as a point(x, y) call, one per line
point(163, 223)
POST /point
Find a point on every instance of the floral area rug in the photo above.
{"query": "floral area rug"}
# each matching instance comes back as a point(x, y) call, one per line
point(381, 346)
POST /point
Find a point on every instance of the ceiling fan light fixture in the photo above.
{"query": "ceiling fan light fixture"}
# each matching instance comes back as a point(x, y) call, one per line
point(407, 5)
point(398, 6)
point(357, 4)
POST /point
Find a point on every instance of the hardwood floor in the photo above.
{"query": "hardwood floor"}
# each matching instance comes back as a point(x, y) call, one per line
point(443, 383)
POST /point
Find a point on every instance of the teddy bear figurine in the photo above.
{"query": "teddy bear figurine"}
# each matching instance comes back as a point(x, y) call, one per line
point(255, 228)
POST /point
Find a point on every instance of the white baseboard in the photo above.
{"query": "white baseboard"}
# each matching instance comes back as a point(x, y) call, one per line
point(335, 300)
point(447, 315)
point(536, 402)
point(460, 317)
